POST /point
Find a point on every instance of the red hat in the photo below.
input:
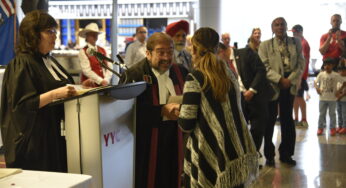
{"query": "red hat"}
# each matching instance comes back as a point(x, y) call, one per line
point(174, 27)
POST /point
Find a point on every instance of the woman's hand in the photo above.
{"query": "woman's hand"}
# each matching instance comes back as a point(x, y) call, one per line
point(59, 93)
point(63, 92)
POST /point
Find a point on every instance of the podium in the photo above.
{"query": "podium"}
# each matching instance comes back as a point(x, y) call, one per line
point(100, 134)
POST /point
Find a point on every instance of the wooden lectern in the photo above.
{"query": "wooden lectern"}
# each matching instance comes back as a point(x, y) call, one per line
point(100, 134)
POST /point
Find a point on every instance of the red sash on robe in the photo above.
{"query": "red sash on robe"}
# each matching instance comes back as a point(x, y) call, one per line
point(154, 138)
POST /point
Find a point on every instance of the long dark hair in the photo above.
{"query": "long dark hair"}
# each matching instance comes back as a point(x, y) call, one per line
point(29, 30)
point(285, 37)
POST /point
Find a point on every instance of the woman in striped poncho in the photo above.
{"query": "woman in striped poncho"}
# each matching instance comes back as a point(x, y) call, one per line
point(219, 151)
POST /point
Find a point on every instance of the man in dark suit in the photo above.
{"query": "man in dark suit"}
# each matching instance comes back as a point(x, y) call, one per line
point(256, 91)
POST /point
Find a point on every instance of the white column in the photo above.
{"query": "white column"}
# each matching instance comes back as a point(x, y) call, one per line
point(19, 11)
point(114, 38)
point(209, 14)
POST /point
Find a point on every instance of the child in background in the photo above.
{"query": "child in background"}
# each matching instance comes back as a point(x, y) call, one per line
point(325, 85)
point(341, 98)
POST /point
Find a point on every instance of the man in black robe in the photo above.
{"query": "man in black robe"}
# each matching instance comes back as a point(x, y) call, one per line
point(159, 140)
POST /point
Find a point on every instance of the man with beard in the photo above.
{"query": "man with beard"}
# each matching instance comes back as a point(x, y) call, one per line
point(158, 139)
point(178, 31)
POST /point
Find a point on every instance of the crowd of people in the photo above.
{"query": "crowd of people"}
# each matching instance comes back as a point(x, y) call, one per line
point(207, 107)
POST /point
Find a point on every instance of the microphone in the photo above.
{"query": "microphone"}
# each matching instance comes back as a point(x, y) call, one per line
point(102, 57)
point(120, 59)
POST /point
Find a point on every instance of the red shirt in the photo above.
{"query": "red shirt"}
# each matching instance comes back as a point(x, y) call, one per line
point(333, 51)
point(306, 53)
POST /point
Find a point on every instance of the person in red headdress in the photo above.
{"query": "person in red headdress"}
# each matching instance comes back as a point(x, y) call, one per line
point(178, 31)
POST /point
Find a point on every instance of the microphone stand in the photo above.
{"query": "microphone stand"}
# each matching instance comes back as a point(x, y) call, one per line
point(106, 67)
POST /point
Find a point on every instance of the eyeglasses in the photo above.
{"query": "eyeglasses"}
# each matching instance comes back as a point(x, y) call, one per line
point(161, 52)
point(50, 31)
point(142, 32)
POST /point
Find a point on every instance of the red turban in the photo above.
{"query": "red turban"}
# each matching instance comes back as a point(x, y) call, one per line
point(174, 27)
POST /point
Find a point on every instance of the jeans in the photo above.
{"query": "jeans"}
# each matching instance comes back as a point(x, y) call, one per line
point(341, 108)
point(331, 106)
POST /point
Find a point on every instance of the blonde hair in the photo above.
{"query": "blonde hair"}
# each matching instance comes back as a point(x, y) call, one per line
point(205, 43)
point(252, 43)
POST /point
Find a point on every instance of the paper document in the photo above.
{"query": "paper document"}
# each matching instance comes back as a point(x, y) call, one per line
point(81, 89)
point(175, 99)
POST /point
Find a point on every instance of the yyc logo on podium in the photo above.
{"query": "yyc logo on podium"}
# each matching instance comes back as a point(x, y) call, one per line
point(111, 137)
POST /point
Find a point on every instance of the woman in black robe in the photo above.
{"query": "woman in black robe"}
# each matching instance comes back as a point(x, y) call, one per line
point(30, 127)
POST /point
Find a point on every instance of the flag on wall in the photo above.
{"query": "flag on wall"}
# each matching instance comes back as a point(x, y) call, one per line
point(8, 30)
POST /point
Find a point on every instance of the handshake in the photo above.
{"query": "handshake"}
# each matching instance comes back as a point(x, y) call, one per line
point(170, 111)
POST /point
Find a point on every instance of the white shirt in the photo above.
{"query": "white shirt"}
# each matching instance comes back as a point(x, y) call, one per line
point(135, 53)
point(327, 82)
point(86, 68)
point(341, 81)
point(50, 64)
point(165, 85)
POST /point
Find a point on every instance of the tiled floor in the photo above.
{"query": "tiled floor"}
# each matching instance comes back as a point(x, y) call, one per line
point(321, 160)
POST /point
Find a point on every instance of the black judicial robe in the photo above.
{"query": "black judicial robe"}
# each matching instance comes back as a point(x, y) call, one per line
point(159, 144)
point(31, 136)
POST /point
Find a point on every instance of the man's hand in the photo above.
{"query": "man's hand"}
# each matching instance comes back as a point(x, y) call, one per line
point(338, 34)
point(104, 83)
point(284, 83)
point(171, 111)
point(248, 95)
point(343, 84)
point(319, 91)
point(88, 83)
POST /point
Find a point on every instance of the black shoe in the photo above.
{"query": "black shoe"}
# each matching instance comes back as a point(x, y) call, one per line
point(260, 166)
point(270, 162)
point(288, 161)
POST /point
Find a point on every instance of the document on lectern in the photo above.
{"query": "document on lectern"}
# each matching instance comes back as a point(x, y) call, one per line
point(4, 172)
point(81, 89)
